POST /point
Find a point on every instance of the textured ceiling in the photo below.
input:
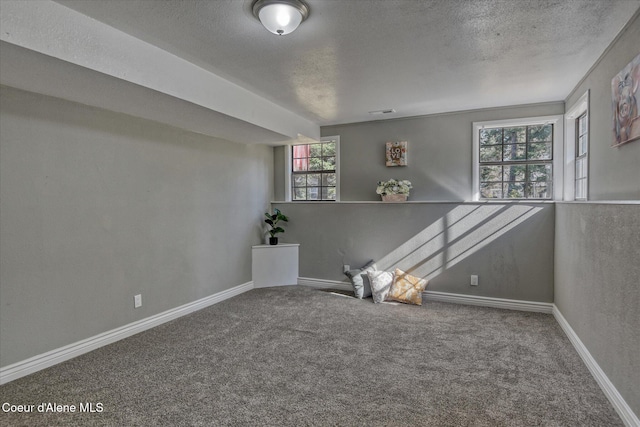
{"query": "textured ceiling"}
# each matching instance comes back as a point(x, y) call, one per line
point(354, 56)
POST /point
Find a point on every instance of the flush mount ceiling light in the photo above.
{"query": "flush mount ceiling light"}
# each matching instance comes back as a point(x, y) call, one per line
point(280, 16)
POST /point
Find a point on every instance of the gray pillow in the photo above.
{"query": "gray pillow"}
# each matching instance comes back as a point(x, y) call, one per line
point(360, 280)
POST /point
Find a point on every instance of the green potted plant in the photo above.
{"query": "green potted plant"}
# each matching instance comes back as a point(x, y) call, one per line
point(273, 220)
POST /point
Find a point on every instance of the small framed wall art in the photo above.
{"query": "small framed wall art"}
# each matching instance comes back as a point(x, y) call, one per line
point(625, 94)
point(396, 153)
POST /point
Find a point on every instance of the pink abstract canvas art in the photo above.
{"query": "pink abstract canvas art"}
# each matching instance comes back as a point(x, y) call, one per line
point(625, 96)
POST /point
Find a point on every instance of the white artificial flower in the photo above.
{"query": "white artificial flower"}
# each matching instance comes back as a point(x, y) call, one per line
point(394, 186)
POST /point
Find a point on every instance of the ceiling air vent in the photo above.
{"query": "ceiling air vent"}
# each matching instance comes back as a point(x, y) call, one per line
point(380, 112)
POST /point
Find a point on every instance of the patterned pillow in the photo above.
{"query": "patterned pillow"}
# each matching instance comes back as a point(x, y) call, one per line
point(360, 280)
point(407, 288)
point(380, 284)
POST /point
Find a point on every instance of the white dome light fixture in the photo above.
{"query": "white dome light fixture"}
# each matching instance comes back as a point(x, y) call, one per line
point(280, 16)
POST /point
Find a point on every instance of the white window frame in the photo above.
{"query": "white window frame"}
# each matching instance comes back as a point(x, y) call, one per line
point(288, 161)
point(580, 107)
point(558, 133)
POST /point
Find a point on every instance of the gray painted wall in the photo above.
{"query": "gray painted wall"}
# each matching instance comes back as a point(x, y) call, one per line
point(439, 153)
point(98, 206)
point(614, 173)
point(278, 172)
point(510, 246)
point(597, 275)
point(597, 286)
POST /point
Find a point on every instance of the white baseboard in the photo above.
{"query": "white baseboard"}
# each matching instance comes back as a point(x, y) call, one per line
point(629, 418)
point(53, 357)
point(509, 304)
point(324, 284)
point(540, 307)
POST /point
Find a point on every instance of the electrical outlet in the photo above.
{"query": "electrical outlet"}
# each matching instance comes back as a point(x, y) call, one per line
point(137, 301)
point(474, 280)
point(346, 268)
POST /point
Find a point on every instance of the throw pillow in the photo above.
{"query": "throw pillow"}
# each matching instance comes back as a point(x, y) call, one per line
point(380, 284)
point(360, 280)
point(407, 288)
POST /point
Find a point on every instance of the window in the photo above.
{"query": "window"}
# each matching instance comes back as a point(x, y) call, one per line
point(515, 159)
point(577, 150)
point(314, 170)
point(582, 144)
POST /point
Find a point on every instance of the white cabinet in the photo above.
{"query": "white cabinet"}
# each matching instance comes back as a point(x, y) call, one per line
point(274, 265)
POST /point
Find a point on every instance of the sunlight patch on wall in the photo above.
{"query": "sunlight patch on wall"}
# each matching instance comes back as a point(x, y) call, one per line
point(430, 240)
point(454, 237)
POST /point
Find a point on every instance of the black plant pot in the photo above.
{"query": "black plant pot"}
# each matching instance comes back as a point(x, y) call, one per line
point(273, 240)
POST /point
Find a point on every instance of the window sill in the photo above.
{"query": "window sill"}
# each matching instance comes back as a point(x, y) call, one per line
point(418, 202)
point(599, 202)
point(468, 202)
